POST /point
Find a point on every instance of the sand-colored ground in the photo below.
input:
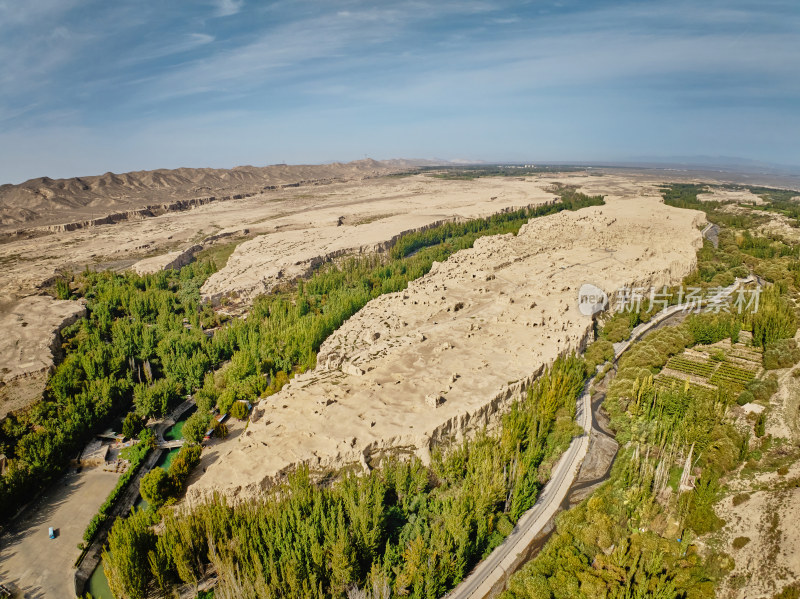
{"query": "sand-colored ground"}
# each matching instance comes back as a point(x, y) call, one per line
point(771, 558)
point(40, 567)
point(466, 337)
point(28, 344)
point(781, 227)
point(763, 507)
point(28, 263)
point(66, 204)
point(292, 229)
point(375, 215)
point(738, 196)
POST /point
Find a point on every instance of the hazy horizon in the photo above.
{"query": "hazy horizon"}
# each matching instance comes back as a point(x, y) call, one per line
point(90, 87)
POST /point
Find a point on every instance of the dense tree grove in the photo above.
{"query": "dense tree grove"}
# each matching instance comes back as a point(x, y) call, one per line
point(620, 543)
point(420, 529)
point(159, 486)
point(133, 345)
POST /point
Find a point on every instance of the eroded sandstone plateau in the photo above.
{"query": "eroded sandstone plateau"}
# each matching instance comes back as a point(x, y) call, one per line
point(446, 355)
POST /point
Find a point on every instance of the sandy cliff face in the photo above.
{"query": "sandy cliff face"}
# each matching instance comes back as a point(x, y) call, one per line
point(166, 261)
point(28, 346)
point(449, 353)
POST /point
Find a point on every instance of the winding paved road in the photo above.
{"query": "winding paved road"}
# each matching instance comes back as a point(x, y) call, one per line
point(491, 575)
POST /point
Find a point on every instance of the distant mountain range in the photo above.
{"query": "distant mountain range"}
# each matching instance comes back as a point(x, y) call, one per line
point(45, 201)
point(57, 204)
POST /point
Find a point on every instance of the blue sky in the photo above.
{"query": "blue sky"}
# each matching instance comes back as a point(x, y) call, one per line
point(92, 86)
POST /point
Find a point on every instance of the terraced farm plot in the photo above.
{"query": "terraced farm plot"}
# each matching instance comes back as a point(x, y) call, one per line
point(733, 372)
point(746, 357)
point(732, 376)
point(689, 366)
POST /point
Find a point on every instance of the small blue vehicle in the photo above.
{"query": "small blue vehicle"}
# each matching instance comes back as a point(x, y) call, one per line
point(52, 532)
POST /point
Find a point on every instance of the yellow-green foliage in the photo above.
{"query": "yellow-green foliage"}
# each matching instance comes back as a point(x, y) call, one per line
point(594, 555)
point(775, 318)
point(597, 353)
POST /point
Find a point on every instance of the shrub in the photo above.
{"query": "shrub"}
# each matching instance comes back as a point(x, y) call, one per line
point(745, 397)
point(132, 425)
point(195, 427)
point(182, 466)
point(740, 498)
point(597, 353)
point(156, 487)
point(206, 398)
point(790, 592)
point(718, 355)
point(740, 542)
point(220, 429)
point(617, 328)
point(763, 389)
point(783, 471)
point(781, 354)
point(701, 517)
point(238, 410)
point(63, 291)
point(761, 424)
point(710, 328)
point(775, 319)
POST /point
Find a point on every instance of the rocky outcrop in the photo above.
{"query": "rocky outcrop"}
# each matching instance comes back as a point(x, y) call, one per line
point(175, 260)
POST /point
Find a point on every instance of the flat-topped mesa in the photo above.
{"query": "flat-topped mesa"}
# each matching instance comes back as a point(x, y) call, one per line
point(447, 355)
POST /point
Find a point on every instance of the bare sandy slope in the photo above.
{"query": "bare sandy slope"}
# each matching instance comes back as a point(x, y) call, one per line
point(782, 227)
point(298, 226)
point(771, 558)
point(28, 263)
point(27, 344)
point(468, 335)
point(739, 196)
point(767, 510)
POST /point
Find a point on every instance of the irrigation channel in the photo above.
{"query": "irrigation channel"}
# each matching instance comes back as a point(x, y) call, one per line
point(97, 584)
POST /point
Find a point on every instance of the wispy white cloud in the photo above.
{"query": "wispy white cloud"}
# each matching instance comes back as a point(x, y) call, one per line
point(182, 43)
point(226, 8)
point(14, 13)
